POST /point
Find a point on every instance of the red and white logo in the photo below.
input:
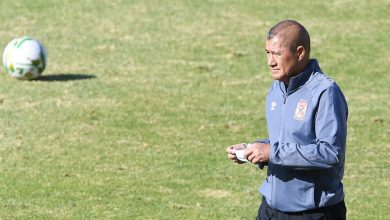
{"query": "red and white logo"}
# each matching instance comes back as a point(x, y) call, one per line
point(300, 111)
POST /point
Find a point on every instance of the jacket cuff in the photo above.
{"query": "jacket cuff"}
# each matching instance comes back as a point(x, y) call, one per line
point(262, 141)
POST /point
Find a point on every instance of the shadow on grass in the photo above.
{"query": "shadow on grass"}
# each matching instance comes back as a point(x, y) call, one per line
point(65, 77)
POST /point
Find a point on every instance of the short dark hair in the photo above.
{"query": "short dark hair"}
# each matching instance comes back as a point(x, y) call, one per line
point(285, 30)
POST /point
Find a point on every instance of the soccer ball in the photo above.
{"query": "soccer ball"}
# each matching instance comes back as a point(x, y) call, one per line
point(24, 58)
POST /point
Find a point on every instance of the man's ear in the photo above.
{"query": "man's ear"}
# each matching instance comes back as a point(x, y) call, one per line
point(301, 52)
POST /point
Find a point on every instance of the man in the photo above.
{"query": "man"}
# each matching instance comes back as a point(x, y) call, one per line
point(307, 127)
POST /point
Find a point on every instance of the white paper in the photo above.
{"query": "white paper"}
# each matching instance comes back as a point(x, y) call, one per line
point(240, 155)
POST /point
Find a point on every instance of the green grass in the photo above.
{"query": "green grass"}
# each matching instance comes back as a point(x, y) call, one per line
point(141, 99)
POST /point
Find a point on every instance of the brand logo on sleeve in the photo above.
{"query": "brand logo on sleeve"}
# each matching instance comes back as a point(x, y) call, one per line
point(273, 105)
point(300, 111)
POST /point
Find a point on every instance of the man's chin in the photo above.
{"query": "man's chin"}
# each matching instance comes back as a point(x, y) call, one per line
point(275, 76)
point(279, 78)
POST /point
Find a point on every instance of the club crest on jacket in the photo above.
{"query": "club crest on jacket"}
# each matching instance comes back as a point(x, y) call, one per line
point(300, 111)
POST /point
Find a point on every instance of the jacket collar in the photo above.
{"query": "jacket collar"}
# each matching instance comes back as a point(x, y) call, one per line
point(299, 80)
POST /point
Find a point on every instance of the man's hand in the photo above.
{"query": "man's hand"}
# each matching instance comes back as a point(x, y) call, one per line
point(258, 152)
point(231, 150)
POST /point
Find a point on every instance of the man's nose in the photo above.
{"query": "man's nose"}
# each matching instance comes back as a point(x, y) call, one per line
point(271, 60)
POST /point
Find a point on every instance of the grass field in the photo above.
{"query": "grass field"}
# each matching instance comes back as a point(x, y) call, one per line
point(140, 99)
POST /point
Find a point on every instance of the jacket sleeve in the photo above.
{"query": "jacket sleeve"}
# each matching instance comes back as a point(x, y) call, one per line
point(330, 127)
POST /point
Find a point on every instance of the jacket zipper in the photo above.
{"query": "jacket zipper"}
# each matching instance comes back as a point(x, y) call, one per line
point(280, 140)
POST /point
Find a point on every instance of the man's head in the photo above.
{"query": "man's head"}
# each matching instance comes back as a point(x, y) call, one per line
point(288, 49)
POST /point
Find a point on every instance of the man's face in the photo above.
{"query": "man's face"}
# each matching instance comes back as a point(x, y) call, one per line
point(282, 62)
